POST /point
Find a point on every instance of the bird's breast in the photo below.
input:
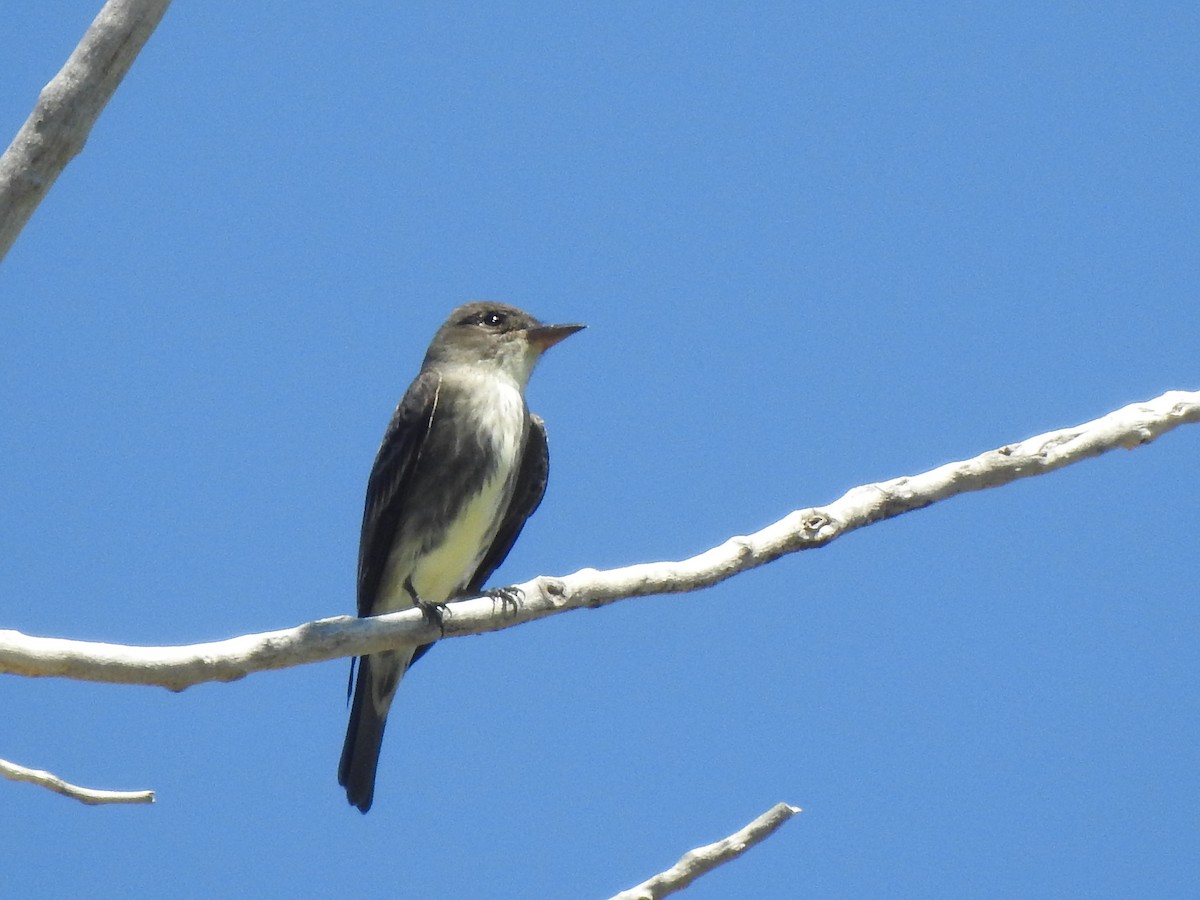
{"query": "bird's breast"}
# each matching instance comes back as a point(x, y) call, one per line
point(479, 453)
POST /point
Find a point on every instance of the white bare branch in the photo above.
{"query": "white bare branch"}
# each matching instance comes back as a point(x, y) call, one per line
point(179, 667)
point(91, 796)
point(68, 107)
point(703, 860)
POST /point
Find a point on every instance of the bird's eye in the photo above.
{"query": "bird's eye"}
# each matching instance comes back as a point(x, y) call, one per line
point(492, 319)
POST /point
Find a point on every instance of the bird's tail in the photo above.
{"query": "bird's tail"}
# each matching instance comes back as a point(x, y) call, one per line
point(364, 734)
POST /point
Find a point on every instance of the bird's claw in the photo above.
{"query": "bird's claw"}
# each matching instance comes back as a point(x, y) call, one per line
point(509, 597)
point(434, 613)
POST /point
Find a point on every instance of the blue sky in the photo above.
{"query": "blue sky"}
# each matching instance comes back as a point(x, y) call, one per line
point(816, 245)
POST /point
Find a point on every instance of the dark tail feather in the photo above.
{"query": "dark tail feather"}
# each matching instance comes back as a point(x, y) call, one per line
point(364, 736)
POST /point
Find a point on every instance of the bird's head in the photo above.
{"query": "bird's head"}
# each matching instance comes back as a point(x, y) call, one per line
point(495, 335)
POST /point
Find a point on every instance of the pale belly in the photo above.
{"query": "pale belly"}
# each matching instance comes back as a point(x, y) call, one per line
point(440, 573)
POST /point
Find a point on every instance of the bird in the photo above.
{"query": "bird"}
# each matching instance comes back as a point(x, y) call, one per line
point(462, 465)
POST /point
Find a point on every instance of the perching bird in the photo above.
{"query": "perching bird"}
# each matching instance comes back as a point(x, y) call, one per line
point(462, 465)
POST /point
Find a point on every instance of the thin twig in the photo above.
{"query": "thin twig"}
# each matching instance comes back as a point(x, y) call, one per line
point(704, 859)
point(91, 796)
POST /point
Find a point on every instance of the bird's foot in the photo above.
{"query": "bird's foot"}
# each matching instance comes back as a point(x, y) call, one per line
point(509, 597)
point(434, 613)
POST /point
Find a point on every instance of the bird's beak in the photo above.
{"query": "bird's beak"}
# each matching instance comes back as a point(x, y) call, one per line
point(543, 337)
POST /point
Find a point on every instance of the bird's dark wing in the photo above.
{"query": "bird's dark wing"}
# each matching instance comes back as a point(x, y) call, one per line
point(527, 495)
point(388, 488)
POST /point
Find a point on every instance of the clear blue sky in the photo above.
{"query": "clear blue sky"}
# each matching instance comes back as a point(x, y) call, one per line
point(817, 245)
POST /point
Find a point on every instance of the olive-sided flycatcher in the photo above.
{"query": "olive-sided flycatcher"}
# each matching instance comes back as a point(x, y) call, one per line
point(462, 465)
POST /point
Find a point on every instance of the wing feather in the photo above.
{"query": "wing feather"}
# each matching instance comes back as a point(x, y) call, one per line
point(527, 496)
point(389, 486)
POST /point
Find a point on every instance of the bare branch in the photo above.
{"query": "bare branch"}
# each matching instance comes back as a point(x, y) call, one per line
point(703, 860)
point(804, 529)
point(90, 796)
point(68, 107)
